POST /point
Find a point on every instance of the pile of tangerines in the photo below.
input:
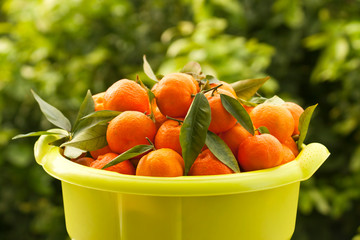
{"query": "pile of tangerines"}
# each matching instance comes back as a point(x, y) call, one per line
point(158, 121)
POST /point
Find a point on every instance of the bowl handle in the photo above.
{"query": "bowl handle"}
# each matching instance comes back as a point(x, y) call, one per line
point(311, 158)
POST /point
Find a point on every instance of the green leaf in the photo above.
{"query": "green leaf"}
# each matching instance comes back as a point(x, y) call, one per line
point(60, 141)
point(212, 79)
point(221, 151)
point(238, 111)
point(194, 129)
point(89, 139)
point(87, 107)
point(275, 100)
point(148, 70)
point(245, 89)
point(73, 152)
point(53, 114)
point(34, 134)
point(132, 152)
point(304, 122)
point(263, 130)
point(192, 67)
point(95, 118)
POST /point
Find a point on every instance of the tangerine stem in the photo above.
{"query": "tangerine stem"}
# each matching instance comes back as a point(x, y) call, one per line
point(151, 143)
point(178, 120)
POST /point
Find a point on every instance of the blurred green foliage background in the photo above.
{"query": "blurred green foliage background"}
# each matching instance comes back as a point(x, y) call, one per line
point(310, 48)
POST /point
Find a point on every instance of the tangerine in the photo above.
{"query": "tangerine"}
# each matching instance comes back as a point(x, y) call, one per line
point(260, 152)
point(162, 162)
point(207, 164)
point(124, 167)
point(126, 95)
point(174, 94)
point(221, 119)
point(168, 135)
point(277, 119)
point(128, 129)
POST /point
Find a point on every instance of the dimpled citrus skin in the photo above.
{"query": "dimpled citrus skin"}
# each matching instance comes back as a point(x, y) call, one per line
point(128, 129)
point(86, 161)
point(174, 94)
point(260, 152)
point(207, 164)
point(288, 155)
point(296, 112)
point(162, 162)
point(234, 136)
point(126, 95)
point(225, 86)
point(291, 144)
point(124, 167)
point(96, 153)
point(221, 120)
point(168, 136)
point(99, 101)
point(277, 119)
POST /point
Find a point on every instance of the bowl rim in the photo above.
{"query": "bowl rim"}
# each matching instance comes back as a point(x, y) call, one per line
point(67, 171)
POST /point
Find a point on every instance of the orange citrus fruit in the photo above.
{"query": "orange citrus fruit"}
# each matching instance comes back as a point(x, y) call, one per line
point(288, 155)
point(296, 112)
point(207, 164)
point(168, 136)
point(162, 162)
point(174, 94)
point(221, 120)
point(124, 167)
point(128, 129)
point(86, 161)
point(260, 152)
point(126, 95)
point(225, 86)
point(234, 136)
point(277, 119)
point(99, 101)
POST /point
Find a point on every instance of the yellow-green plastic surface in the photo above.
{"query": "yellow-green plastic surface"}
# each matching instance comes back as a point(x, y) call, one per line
point(259, 205)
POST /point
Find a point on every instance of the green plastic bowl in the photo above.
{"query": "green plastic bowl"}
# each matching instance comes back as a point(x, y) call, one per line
point(256, 205)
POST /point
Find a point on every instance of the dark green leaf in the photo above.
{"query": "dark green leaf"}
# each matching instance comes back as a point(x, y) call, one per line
point(221, 151)
point(263, 130)
point(89, 139)
point(192, 67)
point(148, 70)
point(87, 107)
point(238, 111)
point(245, 89)
point(59, 141)
point(194, 129)
point(132, 152)
point(53, 114)
point(34, 134)
point(304, 123)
